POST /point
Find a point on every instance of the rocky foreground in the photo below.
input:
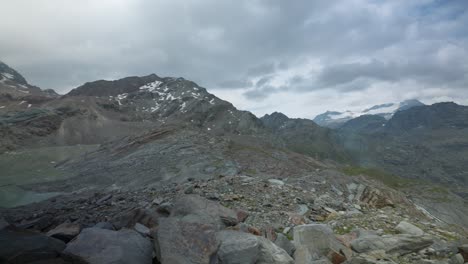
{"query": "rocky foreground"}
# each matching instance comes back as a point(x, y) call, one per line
point(237, 219)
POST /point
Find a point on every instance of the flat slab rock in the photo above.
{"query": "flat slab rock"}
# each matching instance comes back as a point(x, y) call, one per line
point(102, 246)
point(65, 231)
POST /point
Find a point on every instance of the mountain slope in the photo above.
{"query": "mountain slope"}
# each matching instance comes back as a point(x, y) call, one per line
point(304, 136)
point(428, 142)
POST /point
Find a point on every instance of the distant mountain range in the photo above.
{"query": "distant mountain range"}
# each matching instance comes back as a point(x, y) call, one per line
point(334, 119)
point(151, 129)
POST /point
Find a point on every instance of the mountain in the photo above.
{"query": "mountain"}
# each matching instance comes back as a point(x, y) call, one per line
point(13, 86)
point(333, 119)
point(427, 142)
point(161, 162)
point(304, 136)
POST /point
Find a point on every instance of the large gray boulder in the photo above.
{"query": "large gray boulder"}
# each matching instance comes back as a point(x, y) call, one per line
point(316, 237)
point(244, 248)
point(21, 246)
point(204, 210)
point(393, 244)
point(102, 246)
point(185, 240)
point(407, 228)
point(315, 241)
point(238, 247)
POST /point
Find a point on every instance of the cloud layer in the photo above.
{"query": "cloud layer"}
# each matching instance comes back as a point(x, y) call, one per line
point(301, 57)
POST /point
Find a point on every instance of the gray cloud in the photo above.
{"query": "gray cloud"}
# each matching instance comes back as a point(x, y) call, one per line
point(260, 48)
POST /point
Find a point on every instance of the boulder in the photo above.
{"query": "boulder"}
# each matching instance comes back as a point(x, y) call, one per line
point(397, 244)
point(185, 241)
point(237, 247)
point(317, 241)
point(240, 247)
point(407, 228)
point(457, 259)
point(22, 246)
point(463, 250)
point(302, 255)
point(65, 231)
point(283, 242)
point(205, 210)
point(102, 246)
point(316, 237)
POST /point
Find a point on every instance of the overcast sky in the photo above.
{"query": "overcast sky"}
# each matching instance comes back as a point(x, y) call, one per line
point(300, 57)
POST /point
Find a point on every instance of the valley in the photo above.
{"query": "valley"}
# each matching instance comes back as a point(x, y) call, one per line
point(189, 178)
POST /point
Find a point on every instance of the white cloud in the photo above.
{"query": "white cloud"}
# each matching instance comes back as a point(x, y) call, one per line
point(310, 55)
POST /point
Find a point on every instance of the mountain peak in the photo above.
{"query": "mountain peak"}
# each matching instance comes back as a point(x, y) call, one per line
point(9, 74)
point(333, 119)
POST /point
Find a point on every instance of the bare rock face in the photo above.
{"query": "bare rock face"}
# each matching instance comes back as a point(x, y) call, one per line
point(97, 245)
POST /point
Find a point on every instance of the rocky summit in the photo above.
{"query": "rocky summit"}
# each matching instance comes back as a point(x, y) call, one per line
point(158, 170)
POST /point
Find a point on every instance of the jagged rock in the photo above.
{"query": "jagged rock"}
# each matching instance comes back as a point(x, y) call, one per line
point(283, 242)
point(185, 241)
point(22, 246)
point(398, 244)
point(102, 246)
point(65, 231)
point(375, 198)
point(408, 228)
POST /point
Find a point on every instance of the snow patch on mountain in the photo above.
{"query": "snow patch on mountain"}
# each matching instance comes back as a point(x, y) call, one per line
point(334, 119)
